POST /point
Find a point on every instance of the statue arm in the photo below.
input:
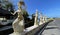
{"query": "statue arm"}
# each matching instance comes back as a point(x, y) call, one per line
point(13, 13)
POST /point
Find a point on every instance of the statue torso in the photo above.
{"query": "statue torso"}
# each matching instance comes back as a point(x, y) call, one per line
point(20, 15)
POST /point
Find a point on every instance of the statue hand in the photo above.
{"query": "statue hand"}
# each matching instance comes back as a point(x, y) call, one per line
point(12, 13)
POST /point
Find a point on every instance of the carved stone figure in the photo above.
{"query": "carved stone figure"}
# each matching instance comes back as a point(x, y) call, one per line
point(18, 24)
point(36, 18)
point(41, 19)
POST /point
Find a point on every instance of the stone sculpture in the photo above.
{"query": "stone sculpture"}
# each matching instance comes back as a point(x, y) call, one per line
point(36, 18)
point(18, 24)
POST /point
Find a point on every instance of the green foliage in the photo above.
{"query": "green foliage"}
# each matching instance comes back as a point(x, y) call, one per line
point(25, 14)
point(7, 5)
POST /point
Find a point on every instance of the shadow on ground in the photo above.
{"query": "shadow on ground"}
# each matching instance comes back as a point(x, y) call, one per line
point(51, 28)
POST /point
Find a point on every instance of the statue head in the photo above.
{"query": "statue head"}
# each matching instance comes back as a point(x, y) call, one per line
point(21, 5)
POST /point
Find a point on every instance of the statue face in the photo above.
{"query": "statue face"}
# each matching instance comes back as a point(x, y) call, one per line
point(21, 6)
point(21, 3)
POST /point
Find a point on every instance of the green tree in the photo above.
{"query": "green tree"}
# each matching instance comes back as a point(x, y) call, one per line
point(7, 5)
point(25, 14)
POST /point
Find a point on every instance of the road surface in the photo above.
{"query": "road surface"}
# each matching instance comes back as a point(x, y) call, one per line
point(53, 28)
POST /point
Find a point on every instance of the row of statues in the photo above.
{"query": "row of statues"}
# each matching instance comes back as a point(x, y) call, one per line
point(18, 24)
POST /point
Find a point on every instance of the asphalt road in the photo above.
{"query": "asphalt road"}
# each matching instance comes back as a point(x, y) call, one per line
point(53, 28)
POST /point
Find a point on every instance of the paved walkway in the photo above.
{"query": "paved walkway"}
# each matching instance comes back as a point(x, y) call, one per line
point(53, 28)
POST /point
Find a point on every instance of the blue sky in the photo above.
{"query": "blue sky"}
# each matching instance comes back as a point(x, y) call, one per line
point(50, 8)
